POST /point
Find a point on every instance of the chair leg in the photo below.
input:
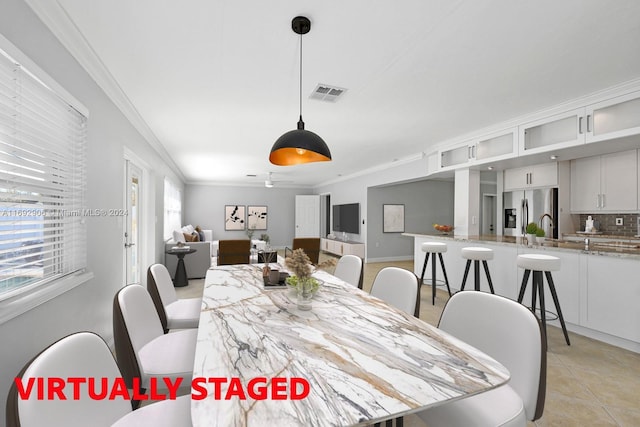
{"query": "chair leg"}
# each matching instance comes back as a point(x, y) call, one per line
point(534, 291)
point(433, 280)
point(537, 277)
point(486, 270)
point(446, 279)
point(424, 268)
point(523, 286)
point(466, 273)
point(476, 275)
point(552, 288)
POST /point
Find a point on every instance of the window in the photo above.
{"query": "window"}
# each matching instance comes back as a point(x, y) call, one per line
point(172, 208)
point(42, 179)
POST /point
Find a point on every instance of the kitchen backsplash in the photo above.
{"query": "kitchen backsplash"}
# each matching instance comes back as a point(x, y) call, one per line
point(608, 225)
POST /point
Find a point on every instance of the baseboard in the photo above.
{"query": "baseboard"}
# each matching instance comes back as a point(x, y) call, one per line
point(390, 259)
point(600, 336)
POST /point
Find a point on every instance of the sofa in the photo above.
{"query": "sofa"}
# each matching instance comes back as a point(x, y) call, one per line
point(196, 263)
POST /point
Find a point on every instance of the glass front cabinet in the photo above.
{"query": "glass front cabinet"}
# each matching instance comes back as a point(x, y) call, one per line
point(491, 147)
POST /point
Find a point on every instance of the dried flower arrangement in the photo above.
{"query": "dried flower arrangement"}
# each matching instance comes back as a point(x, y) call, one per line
point(300, 265)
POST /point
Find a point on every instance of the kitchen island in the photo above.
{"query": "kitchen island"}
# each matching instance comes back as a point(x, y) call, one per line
point(597, 285)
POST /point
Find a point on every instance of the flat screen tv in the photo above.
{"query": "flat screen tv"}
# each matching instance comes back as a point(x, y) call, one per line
point(347, 218)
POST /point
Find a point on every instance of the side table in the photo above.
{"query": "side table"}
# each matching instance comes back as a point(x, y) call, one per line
point(180, 278)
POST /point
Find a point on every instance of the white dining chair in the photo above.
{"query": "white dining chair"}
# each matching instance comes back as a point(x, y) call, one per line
point(398, 287)
point(174, 313)
point(349, 269)
point(143, 350)
point(86, 355)
point(511, 334)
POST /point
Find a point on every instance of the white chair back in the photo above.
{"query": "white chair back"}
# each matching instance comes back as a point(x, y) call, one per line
point(164, 283)
point(81, 355)
point(349, 269)
point(508, 332)
point(135, 323)
point(398, 287)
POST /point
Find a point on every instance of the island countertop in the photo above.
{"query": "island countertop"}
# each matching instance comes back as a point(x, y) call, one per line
point(630, 248)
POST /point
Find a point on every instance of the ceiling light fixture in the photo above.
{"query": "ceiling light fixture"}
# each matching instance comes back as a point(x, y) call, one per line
point(299, 146)
point(268, 182)
point(553, 157)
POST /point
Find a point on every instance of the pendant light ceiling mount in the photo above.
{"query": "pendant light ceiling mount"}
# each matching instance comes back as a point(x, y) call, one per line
point(299, 146)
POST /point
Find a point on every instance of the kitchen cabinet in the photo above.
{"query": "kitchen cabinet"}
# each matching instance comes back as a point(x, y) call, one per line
point(536, 176)
point(487, 148)
point(607, 183)
point(338, 247)
point(612, 303)
point(614, 118)
point(559, 131)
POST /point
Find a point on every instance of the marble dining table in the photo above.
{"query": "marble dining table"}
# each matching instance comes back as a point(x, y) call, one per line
point(364, 361)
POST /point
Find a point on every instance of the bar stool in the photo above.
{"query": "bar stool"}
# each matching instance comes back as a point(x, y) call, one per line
point(434, 248)
point(477, 254)
point(539, 263)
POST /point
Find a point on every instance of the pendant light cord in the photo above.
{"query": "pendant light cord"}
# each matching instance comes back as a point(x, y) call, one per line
point(301, 77)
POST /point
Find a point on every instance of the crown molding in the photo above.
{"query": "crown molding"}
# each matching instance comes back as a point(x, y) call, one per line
point(63, 28)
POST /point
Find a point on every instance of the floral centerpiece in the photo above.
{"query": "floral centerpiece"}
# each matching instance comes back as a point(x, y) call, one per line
point(305, 285)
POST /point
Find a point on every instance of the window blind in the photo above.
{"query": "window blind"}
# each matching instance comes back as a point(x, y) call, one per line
point(172, 208)
point(42, 182)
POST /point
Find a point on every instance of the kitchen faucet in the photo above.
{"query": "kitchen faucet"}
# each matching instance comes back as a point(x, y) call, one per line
point(542, 218)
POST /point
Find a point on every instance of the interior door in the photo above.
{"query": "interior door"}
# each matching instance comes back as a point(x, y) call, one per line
point(307, 216)
point(132, 225)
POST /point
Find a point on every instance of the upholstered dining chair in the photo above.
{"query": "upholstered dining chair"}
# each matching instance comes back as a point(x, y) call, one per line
point(234, 251)
point(143, 350)
point(86, 355)
point(511, 334)
point(174, 313)
point(310, 245)
point(350, 269)
point(398, 287)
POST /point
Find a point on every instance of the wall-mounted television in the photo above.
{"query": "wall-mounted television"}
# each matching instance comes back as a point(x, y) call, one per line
point(347, 218)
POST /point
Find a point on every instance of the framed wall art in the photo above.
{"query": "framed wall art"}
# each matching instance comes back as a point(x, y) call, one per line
point(393, 218)
point(257, 217)
point(234, 217)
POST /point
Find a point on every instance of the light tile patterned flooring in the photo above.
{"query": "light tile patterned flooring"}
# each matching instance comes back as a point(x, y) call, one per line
point(588, 383)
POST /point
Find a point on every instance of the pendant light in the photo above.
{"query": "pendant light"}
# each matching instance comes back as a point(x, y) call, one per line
point(299, 146)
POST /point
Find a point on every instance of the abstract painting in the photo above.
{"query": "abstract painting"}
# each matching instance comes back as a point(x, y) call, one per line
point(257, 217)
point(393, 218)
point(234, 218)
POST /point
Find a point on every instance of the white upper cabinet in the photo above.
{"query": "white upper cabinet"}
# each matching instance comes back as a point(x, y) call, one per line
point(552, 133)
point(536, 176)
point(607, 184)
point(487, 148)
point(614, 118)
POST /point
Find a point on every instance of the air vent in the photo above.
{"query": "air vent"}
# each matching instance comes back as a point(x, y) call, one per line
point(327, 93)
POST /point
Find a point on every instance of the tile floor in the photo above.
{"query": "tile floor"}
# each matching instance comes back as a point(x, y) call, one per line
point(588, 383)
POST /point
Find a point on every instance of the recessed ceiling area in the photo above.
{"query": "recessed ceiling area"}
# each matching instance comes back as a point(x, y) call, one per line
point(217, 82)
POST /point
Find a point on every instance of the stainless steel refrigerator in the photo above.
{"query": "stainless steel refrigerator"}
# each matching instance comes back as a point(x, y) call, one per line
point(524, 206)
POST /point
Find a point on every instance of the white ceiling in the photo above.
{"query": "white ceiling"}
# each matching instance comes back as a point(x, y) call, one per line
point(217, 81)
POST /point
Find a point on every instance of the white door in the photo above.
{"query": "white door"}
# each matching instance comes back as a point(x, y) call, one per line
point(133, 216)
point(307, 216)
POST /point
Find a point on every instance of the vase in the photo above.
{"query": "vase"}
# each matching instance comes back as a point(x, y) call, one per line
point(305, 290)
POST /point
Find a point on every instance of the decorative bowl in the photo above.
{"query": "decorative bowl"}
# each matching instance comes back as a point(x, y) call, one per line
point(444, 229)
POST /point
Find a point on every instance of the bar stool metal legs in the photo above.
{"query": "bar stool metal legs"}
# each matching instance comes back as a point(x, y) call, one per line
point(433, 248)
point(544, 264)
point(477, 254)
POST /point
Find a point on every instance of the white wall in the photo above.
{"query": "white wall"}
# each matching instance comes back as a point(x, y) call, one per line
point(204, 206)
point(87, 307)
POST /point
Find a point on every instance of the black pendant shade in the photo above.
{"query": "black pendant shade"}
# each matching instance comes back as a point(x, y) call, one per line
point(299, 146)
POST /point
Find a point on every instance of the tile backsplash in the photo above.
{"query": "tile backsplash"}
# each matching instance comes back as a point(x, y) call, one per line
point(608, 225)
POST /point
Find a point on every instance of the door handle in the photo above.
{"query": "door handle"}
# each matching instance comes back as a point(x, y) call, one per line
point(604, 202)
point(588, 123)
point(580, 125)
point(128, 245)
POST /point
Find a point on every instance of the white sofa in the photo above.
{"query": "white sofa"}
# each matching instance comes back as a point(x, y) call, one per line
point(196, 263)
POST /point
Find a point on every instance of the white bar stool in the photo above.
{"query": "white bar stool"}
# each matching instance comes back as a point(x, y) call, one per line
point(539, 263)
point(477, 254)
point(434, 248)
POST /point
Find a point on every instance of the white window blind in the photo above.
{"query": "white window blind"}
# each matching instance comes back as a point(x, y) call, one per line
point(42, 182)
point(172, 208)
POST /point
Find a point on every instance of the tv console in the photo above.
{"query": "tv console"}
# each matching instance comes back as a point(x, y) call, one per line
point(341, 247)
